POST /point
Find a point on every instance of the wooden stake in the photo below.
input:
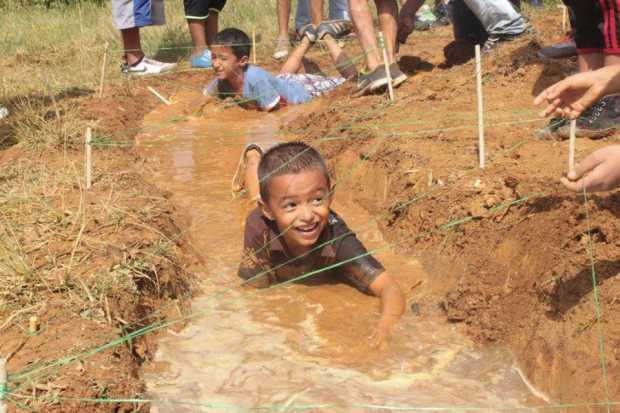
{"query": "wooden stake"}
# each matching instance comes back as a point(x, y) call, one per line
point(3, 385)
point(254, 45)
point(33, 324)
point(571, 145)
point(564, 16)
point(480, 108)
point(387, 65)
point(156, 93)
point(89, 161)
point(105, 58)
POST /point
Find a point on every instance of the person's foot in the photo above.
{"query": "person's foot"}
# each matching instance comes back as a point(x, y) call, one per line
point(281, 48)
point(371, 82)
point(203, 60)
point(550, 131)
point(563, 49)
point(493, 40)
point(398, 77)
point(146, 67)
point(600, 120)
point(335, 28)
point(308, 31)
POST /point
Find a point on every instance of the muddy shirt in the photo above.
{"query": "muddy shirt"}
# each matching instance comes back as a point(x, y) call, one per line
point(265, 256)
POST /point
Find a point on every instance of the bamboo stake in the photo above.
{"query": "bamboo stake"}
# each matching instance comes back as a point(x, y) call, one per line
point(254, 45)
point(3, 385)
point(480, 108)
point(156, 93)
point(387, 65)
point(571, 145)
point(564, 16)
point(105, 58)
point(89, 160)
point(33, 324)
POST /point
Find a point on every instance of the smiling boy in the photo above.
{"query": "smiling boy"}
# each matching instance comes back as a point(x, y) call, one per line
point(294, 232)
point(257, 88)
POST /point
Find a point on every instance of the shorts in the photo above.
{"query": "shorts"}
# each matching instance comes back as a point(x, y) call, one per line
point(596, 25)
point(200, 9)
point(315, 85)
point(131, 14)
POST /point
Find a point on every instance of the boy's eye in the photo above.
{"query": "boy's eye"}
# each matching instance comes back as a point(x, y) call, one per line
point(317, 201)
point(289, 206)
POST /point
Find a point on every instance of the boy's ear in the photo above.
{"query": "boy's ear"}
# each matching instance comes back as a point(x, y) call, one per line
point(265, 209)
point(244, 61)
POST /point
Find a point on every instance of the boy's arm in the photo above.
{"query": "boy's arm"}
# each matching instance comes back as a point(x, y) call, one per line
point(392, 306)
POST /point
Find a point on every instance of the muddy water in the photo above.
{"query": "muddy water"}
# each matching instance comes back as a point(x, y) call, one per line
point(300, 346)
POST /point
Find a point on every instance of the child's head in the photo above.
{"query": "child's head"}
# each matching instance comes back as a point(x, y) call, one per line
point(295, 192)
point(230, 52)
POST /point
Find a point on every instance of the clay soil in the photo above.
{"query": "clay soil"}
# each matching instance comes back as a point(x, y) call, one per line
point(513, 265)
point(507, 248)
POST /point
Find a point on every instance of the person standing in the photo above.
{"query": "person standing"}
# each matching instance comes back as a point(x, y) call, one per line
point(129, 16)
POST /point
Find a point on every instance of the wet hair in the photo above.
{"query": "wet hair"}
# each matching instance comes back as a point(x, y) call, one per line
point(288, 158)
point(236, 40)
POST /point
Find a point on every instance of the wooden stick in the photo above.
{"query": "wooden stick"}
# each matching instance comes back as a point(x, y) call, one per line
point(480, 107)
point(156, 93)
point(564, 16)
point(571, 145)
point(387, 65)
point(33, 324)
point(89, 160)
point(254, 45)
point(3, 385)
point(105, 58)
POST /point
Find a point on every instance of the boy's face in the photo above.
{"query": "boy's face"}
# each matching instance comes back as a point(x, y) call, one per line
point(226, 64)
point(299, 204)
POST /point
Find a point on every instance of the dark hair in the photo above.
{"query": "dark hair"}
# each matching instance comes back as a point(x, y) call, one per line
point(236, 40)
point(288, 158)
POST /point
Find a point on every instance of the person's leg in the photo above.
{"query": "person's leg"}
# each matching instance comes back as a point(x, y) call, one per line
point(387, 11)
point(406, 19)
point(590, 61)
point(316, 11)
point(295, 61)
point(362, 20)
point(131, 45)
point(197, 31)
point(212, 27)
point(344, 65)
point(284, 13)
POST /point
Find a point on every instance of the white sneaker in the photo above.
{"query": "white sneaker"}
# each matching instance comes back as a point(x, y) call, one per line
point(148, 67)
point(281, 49)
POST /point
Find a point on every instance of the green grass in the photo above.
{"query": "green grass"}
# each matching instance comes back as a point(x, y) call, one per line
point(62, 47)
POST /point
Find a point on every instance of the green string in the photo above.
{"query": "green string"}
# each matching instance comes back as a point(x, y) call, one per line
point(597, 304)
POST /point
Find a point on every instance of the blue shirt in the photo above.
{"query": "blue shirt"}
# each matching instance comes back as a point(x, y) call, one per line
point(264, 88)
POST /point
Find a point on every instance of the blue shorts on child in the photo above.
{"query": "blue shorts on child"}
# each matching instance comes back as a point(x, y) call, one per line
point(267, 90)
point(130, 14)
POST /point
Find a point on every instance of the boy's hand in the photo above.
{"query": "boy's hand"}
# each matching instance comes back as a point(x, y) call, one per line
point(600, 171)
point(382, 335)
point(570, 97)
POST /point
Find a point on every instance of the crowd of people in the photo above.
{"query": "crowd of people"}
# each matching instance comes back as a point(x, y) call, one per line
point(293, 231)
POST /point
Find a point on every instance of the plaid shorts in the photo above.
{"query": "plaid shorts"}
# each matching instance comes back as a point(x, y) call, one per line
point(315, 85)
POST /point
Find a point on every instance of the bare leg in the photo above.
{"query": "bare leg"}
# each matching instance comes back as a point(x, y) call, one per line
point(612, 59)
point(252, 158)
point(343, 63)
point(131, 45)
point(212, 27)
point(198, 33)
point(295, 61)
point(316, 11)
point(590, 61)
point(284, 12)
point(388, 10)
point(406, 19)
point(362, 20)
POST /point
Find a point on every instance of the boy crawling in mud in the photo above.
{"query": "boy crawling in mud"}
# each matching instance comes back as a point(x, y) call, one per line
point(293, 234)
point(257, 88)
